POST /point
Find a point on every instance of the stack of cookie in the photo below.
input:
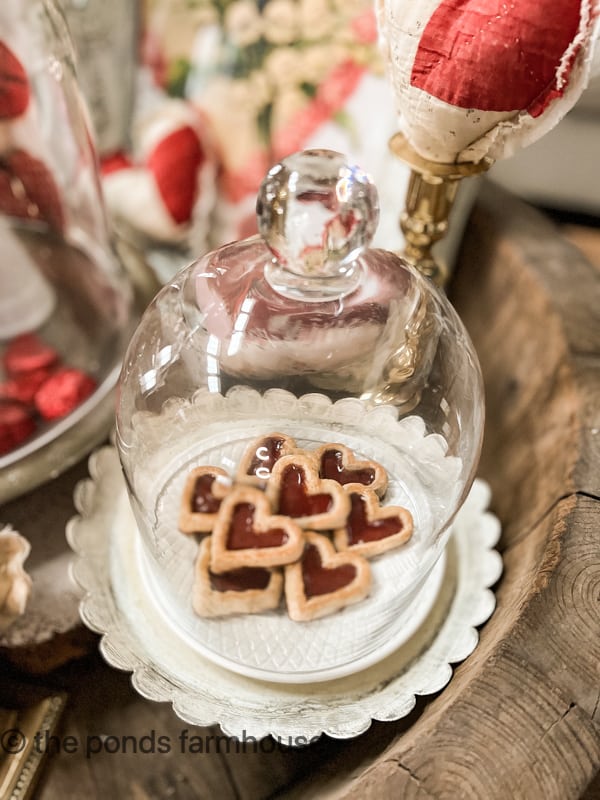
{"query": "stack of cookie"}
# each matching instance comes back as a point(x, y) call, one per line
point(296, 522)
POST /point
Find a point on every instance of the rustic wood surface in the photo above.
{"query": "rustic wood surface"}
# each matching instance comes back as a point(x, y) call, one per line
point(521, 717)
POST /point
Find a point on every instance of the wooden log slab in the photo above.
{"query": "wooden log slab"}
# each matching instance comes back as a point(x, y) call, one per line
point(521, 717)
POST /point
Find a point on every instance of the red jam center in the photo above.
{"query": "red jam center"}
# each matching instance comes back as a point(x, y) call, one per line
point(240, 580)
point(361, 529)
point(267, 453)
point(323, 580)
point(242, 536)
point(294, 500)
point(203, 500)
point(332, 467)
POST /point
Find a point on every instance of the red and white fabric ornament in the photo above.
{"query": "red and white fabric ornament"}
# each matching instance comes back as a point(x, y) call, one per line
point(166, 188)
point(482, 78)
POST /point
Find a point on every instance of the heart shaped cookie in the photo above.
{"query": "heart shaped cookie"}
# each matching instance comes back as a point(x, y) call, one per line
point(260, 456)
point(203, 493)
point(338, 463)
point(324, 581)
point(371, 529)
point(296, 490)
point(247, 534)
point(246, 590)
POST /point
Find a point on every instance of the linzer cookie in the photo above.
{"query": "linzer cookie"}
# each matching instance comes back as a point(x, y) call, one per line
point(261, 455)
point(247, 534)
point(371, 529)
point(338, 463)
point(246, 590)
point(324, 581)
point(296, 490)
point(203, 493)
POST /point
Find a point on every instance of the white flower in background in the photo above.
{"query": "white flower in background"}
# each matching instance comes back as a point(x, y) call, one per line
point(230, 109)
point(285, 66)
point(280, 21)
point(320, 59)
point(317, 19)
point(241, 96)
point(206, 51)
point(344, 35)
point(259, 87)
point(350, 8)
point(243, 23)
point(286, 105)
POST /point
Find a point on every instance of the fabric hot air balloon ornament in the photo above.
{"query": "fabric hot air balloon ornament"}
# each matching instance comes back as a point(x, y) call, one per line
point(475, 80)
point(481, 78)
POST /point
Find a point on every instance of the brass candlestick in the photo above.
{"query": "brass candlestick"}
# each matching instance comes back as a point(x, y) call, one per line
point(429, 199)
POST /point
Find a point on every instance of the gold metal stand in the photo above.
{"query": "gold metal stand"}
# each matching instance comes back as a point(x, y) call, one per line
point(429, 199)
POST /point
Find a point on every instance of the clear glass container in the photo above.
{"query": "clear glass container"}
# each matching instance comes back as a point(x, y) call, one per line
point(64, 302)
point(306, 332)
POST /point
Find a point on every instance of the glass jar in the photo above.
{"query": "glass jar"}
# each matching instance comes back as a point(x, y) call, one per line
point(64, 303)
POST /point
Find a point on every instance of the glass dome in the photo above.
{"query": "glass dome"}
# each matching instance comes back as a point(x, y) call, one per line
point(267, 371)
point(64, 300)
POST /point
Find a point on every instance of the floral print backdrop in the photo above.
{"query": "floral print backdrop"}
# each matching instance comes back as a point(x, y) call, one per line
point(269, 77)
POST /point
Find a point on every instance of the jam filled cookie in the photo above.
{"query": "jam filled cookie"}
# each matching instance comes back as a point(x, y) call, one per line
point(261, 455)
point(337, 462)
point(203, 493)
point(247, 534)
point(297, 491)
point(324, 581)
point(246, 590)
point(372, 529)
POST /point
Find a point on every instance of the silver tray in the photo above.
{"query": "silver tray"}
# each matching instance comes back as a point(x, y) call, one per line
point(167, 668)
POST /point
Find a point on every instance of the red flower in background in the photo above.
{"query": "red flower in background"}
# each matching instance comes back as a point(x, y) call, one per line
point(364, 27)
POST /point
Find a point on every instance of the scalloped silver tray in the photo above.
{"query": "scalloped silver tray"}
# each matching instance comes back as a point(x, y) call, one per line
point(166, 668)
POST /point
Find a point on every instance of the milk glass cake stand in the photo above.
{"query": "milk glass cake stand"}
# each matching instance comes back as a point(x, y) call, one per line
point(308, 332)
point(120, 604)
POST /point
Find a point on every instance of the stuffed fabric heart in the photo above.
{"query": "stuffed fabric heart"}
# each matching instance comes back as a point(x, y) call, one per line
point(168, 185)
point(476, 78)
point(14, 85)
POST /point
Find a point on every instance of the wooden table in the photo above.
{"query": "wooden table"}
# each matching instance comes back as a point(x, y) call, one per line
point(521, 717)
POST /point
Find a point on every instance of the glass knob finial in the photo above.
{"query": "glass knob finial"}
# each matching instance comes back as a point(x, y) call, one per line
point(316, 214)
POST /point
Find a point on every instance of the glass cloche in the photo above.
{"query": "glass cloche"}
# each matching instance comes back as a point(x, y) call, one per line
point(300, 419)
point(64, 300)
